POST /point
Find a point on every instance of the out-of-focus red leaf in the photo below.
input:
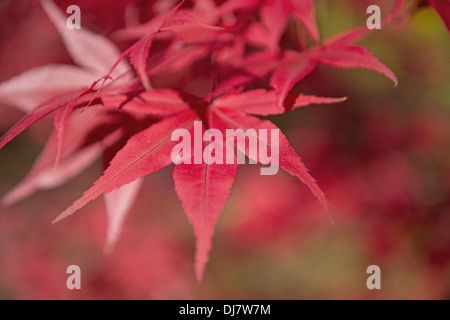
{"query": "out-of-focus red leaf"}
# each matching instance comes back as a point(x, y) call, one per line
point(138, 54)
point(182, 19)
point(87, 49)
point(140, 51)
point(37, 114)
point(82, 147)
point(118, 203)
point(38, 85)
point(275, 15)
point(60, 124)
point(144, 153)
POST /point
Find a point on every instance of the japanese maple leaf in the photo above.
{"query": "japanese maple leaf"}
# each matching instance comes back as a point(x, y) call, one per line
point(94, 55)
point(194, 39)
point(84, 147)
point(139, 52)
point(275, 16)
point(35, 91)
point(38, 88)
point(139, 141)
point(202, 188)
point(338, 53)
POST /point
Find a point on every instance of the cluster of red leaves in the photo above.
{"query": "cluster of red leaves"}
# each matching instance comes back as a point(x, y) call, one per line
point(220, 63)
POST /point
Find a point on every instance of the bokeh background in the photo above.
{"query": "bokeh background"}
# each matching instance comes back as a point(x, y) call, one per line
point(382, 158)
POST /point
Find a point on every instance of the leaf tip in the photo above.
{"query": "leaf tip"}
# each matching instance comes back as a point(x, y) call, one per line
point(331, 217)
point(56, 161)
point(62, 216)
point(199, 273)
point(147, 85)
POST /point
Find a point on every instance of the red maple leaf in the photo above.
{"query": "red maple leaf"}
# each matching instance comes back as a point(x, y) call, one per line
point(191, 64)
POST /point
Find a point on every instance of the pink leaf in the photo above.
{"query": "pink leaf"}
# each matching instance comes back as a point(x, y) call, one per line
point(179, 58)
point(351, 56)
point(158, 102)
point(163, 22)
point(144, 153)
point(86, 48)
point(118, 204)
point(140, 51)
point(182, 18)
point(38, 85)
point(260, 64)
point(138, 54)
point(230, 84)
point(289, 160)
point(37, 114)
point(136, 32)
point(263, 102)
point(256, 100)
point(348, 36)
point(305, 13)
point(52, 177)
point(275, 16)
point(81, 149)
point(300, 100)
point(203, 190)
point(294, 68)
point(60, 124)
